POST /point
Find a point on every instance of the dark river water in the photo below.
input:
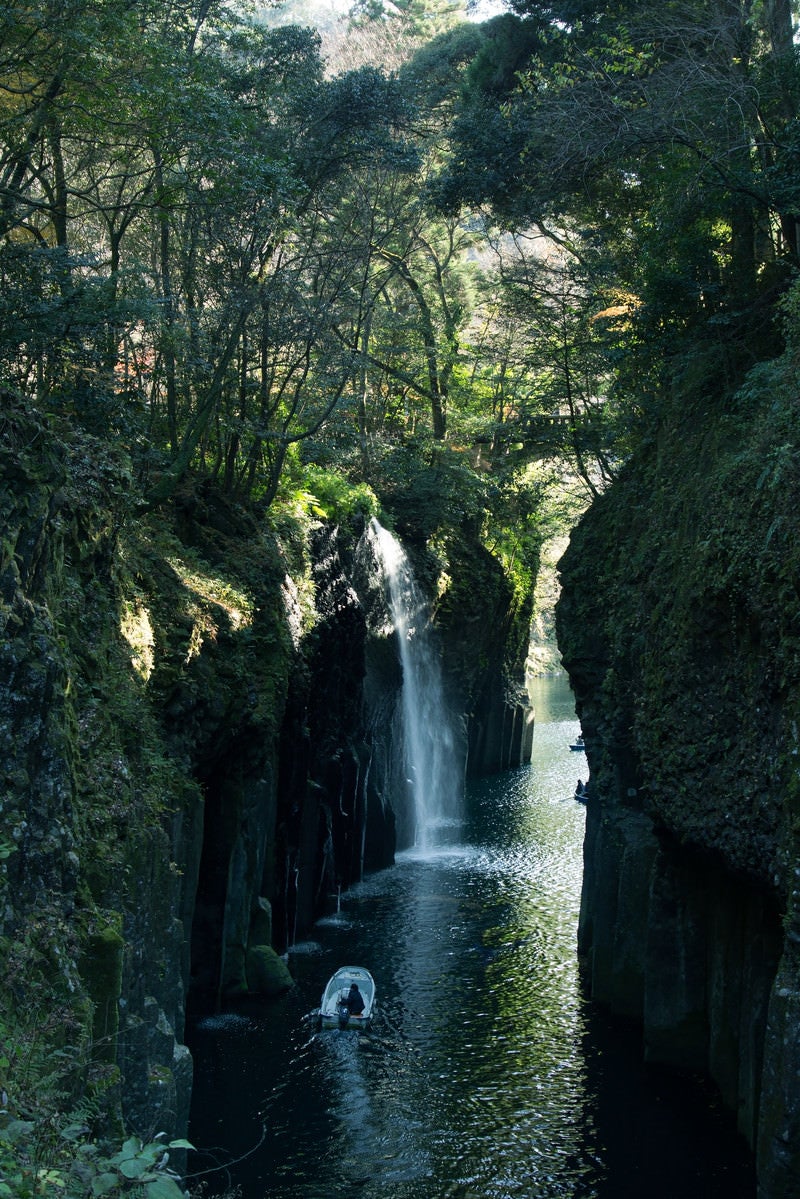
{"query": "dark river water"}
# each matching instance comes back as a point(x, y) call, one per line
point(487, 1074)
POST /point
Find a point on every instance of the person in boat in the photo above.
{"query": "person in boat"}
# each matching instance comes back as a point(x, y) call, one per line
point(355, 1000)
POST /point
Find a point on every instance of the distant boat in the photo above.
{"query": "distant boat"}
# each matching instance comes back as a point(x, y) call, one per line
point(334, 1010)
point(578, 744)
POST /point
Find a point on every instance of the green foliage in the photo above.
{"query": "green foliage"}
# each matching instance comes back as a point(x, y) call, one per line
point(426, 495)
point(515, 530)
point(73, 1167)
point(198, 269)
point(790, 316)
point(335, 498)
point(655, 201)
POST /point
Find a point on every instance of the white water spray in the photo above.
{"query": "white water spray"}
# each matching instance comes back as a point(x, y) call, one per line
point(432, 751)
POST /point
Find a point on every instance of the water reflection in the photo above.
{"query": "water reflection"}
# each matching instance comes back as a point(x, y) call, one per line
point(486, 1074)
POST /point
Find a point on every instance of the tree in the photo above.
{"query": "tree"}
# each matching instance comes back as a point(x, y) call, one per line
point(422, 19)
point(652, 143)
point(170, 255)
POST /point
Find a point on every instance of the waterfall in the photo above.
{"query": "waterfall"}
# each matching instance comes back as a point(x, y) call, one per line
point(433, 766)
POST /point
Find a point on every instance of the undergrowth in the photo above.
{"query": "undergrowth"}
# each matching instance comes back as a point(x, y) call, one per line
point(61, 1135)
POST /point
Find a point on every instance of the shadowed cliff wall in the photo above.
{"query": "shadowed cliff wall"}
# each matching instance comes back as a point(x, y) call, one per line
point(679, 623)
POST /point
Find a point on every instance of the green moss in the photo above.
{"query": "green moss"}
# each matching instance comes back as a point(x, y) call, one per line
point(679, 618)
point(267, 973)
point(101, 971)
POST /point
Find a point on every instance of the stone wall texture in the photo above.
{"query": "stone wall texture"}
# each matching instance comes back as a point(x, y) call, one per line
point(678, 624)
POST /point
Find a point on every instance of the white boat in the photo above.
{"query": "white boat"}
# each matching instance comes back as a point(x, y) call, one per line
point(334, 1010)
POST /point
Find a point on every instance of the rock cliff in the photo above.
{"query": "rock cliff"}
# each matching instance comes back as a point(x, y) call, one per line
point(679, 625)
point(486, 633)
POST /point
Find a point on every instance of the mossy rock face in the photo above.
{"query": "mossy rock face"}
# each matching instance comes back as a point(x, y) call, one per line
point(267, 974)
point(101, 970)
point(678, 626)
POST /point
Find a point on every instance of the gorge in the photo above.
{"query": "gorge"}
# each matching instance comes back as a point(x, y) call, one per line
point(280, 325)
point(487, 1070)
point(279, 816)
